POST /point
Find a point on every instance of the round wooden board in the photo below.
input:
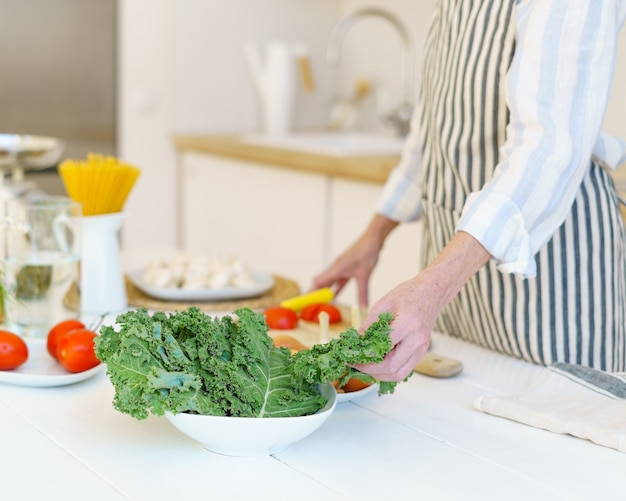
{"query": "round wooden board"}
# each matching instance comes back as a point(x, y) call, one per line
point(283, 288)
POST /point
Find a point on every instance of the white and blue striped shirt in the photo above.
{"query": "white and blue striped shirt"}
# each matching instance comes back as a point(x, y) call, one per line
point(557, 90)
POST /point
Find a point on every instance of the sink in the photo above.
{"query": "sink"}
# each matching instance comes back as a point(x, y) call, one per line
point(343, 144)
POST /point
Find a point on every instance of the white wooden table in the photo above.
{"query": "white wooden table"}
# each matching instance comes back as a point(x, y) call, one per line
point(425, 441)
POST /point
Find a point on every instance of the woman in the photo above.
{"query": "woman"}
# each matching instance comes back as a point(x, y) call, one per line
point(524, 245)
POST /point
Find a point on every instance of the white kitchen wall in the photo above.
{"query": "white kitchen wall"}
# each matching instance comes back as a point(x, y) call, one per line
point(182, 71)
point(213, 88)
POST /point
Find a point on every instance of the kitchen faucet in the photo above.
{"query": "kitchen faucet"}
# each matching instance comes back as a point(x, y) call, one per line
point(400, 117)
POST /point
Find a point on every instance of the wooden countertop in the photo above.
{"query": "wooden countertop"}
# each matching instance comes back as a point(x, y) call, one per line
point(368, 168)
point(373, 169)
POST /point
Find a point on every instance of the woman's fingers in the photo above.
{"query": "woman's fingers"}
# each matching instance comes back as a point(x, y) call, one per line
point(398, 364)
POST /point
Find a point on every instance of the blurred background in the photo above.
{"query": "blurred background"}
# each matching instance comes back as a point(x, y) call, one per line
point(125, 76)
point(58, 71)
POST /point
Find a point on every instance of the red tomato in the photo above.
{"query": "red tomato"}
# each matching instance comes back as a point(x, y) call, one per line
point(58, 331)
point(76, 350)
point(312, 311)
point(279, 317)
point(13, 351)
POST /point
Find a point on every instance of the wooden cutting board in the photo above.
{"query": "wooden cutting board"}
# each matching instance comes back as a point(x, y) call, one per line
point(309, 333)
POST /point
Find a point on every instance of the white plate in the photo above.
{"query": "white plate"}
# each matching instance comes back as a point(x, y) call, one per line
point(42, 370)
point(342, 398)
point(264, 282)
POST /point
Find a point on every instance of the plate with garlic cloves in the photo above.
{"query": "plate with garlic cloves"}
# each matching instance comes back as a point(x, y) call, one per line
point(200, 278)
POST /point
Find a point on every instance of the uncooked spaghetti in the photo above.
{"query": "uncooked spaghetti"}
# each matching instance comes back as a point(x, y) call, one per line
point(101, 184)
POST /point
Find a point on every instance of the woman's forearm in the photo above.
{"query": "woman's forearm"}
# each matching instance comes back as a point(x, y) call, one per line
point(379, 228)
point(461, 258)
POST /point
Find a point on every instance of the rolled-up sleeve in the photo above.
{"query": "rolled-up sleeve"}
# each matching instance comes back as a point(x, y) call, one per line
point(401, 198)
point(557, 90)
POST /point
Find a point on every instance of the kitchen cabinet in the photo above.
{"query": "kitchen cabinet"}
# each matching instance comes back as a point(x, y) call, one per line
point(290, 222)
point(271, 218)
point(351, 206)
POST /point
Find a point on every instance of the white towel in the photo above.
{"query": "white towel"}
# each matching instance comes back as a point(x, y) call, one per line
point(572, 399)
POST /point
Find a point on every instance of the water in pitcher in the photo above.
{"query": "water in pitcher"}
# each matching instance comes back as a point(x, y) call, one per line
point(36, 285)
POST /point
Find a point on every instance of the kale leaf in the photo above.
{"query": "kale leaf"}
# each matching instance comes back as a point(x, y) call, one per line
point(190, 362)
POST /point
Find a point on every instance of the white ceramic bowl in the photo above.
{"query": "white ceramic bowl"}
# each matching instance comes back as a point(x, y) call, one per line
point(249, 436)
point(342, 398)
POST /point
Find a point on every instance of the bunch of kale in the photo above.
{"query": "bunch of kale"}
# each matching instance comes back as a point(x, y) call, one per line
point(226, 366)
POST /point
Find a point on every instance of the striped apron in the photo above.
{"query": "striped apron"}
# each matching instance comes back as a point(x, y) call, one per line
point(574, 309)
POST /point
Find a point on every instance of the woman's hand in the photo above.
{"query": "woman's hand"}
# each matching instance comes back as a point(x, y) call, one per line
point(416, 303)
point(358, 261)
point(414, 309)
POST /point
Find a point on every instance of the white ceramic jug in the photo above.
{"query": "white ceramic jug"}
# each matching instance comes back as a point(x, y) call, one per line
point(273, 74)
point(102, 287)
